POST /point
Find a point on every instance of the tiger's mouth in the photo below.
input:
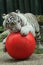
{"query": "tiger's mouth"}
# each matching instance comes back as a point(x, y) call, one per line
point(8, 26)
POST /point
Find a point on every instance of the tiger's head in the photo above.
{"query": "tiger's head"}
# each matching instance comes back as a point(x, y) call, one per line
point(12, 21)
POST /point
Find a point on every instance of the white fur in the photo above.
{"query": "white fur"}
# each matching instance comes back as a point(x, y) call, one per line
point(24, 20)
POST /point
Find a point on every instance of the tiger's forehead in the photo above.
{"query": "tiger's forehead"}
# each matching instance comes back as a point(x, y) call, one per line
point(12, 16)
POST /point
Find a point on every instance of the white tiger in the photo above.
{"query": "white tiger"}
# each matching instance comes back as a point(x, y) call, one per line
point(24, 23)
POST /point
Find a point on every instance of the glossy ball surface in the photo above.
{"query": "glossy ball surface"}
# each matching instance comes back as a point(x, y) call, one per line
point(20, 47)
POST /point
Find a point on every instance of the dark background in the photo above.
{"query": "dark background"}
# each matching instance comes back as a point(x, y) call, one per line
point(32, 6)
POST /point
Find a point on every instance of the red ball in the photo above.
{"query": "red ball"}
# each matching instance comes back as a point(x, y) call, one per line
point(20, 47)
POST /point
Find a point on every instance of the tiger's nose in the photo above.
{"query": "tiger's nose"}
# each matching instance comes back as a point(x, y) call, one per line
point(14, 23)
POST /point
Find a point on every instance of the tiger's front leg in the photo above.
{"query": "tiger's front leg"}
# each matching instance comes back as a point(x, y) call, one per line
point(4, 47)
point(26, 29)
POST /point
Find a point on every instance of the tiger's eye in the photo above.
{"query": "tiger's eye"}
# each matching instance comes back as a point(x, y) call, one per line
point(8, 20)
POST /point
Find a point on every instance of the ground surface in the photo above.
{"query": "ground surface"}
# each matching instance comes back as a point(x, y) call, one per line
point(5, 59)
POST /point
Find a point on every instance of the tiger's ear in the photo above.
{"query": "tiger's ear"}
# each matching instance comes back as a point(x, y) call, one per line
point(4, 16)
point(17, 11)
